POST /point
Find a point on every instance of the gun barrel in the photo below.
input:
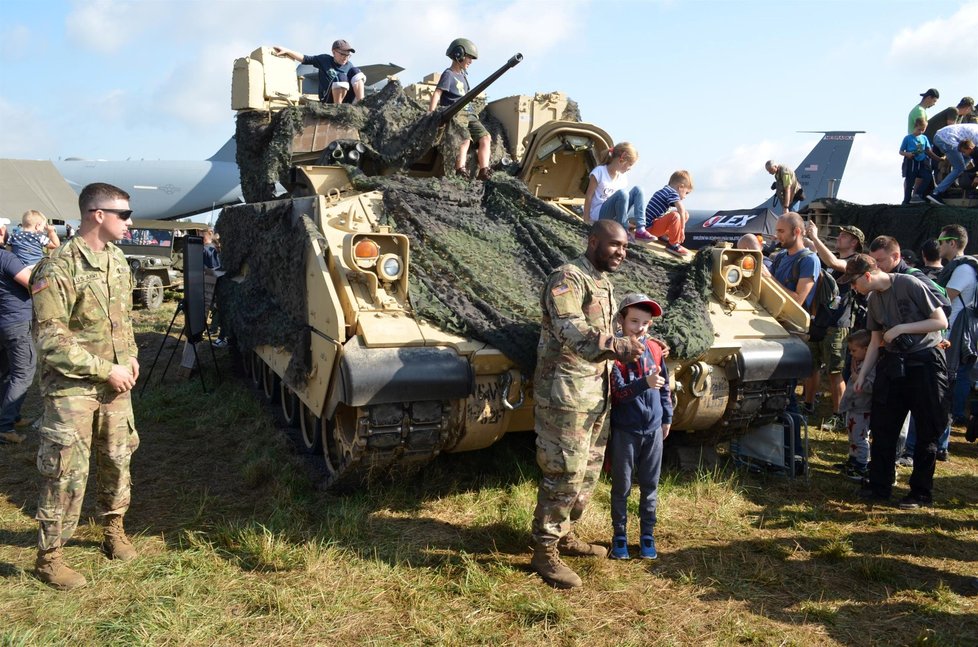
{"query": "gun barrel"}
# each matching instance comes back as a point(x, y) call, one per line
point(453, 109)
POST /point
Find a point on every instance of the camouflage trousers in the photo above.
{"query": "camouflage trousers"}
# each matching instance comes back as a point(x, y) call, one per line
point(570, 452)
point(71, 426)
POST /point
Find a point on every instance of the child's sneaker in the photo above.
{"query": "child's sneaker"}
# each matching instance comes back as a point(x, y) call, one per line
point(677, 249)
point(856, 472)
point(642, 234)
point(646, 547)
point(619, 548)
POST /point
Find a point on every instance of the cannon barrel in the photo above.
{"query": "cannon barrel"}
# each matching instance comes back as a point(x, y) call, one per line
point(463, 101)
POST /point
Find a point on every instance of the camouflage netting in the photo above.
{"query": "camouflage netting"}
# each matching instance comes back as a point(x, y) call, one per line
point(265, 307)
point(480, 252)
point(395, 130)
point(912, 225)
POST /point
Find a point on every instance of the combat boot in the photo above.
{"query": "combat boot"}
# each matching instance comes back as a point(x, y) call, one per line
point(116, 544)
point(571, 546)
point(552, 569)
point(52, 570)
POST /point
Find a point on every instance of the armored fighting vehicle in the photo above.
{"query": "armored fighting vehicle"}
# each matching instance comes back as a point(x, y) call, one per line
point(154, 251)
point(392, 308)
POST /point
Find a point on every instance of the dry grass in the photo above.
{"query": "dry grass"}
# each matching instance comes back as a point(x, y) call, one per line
point(238, 548)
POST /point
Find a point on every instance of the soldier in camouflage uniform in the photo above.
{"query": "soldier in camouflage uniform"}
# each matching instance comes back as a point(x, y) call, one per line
point(87, 352)
point(571, 389)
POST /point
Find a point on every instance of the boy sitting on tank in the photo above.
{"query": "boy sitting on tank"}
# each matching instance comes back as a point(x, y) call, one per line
point(452, 86)
point(339, 80)
point(666, 216)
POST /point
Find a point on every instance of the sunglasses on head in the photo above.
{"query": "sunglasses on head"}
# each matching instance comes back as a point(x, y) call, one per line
point(123, 214)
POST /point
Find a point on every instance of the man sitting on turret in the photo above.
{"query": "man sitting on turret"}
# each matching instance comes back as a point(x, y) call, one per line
point(452, 86)
point(339, 80)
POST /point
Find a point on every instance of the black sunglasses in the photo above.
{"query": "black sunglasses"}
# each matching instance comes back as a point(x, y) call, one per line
point(124, 214)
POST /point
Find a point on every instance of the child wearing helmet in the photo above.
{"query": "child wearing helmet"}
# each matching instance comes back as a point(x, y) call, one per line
point(452, 86)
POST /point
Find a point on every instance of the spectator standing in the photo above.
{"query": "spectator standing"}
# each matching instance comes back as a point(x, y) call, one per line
point(571, 389)
point(930, 257)
point(786, 186)
point(927, 101)
point(87, 353)
point(917, 154)
point(15, 343)
point(830, 351)
point(906, 323)
point(641, 415)
point(959, 278)
point(966, 111)
point(800, 285)
point(857, 407)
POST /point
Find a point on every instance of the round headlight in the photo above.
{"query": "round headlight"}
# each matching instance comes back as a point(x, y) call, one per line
point(733, 276)
point(134, 264)
point(390, 268)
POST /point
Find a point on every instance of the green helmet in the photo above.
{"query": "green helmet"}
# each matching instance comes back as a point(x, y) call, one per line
point(462, 47)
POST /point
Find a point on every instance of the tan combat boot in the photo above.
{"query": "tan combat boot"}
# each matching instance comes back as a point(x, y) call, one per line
point(570, 545)
point(116, 544)
point(552, 569)
point(52, 570)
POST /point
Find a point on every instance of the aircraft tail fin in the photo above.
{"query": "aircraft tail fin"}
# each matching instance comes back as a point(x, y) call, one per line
point(820, 173)
point(227, 152)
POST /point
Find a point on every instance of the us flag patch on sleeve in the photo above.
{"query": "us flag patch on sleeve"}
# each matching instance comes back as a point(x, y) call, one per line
point(39, 285)
point(563, 288)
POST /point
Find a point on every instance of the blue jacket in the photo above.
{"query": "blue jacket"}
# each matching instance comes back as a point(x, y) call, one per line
point(634, 406)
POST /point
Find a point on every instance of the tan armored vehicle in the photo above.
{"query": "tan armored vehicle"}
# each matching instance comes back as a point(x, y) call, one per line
point(393, 312)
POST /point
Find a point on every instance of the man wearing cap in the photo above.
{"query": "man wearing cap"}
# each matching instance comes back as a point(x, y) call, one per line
point(927, 101)
point(339, 80)
point(831, 350)
point(906, 321)
point(786, 185)
point(958, 144)
point(966, 111)
point(571, 389)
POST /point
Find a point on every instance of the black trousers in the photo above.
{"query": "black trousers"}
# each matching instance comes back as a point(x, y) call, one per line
point(916, 383)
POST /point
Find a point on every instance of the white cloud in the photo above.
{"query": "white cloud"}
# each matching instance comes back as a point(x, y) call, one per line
point(106, 26)
point(943, 42)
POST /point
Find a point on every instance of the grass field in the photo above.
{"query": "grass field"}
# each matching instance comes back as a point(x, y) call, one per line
point(237, 547)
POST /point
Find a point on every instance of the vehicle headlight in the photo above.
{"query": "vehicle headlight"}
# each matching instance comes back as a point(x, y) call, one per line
point(733, 276)
point(134, 264)
point(390, 267)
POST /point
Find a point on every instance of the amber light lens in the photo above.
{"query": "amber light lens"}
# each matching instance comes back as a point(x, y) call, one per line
point(366, 252)
point(748, 263)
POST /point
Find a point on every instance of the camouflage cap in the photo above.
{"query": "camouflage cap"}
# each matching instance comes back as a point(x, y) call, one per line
point(855, 232)
point(966, 102)
point(637, 298)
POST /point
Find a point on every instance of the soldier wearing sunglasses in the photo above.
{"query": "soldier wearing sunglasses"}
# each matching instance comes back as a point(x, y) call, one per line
point(86, 350)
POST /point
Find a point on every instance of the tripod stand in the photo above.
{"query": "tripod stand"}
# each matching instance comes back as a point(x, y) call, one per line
point(193, 340)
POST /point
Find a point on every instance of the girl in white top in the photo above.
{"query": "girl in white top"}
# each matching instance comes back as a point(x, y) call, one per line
point(607, 194)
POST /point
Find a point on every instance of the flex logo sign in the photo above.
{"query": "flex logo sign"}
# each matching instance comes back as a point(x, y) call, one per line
point(734, 221)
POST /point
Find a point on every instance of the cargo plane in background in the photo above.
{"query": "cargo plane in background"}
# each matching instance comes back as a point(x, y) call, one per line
point(163, 189)
point(819, 174)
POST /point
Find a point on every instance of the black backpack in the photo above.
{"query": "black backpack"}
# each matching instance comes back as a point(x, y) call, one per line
point(829, 308)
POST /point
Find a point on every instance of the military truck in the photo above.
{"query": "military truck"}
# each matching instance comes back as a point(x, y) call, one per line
point(154, 251)
point(392, 310)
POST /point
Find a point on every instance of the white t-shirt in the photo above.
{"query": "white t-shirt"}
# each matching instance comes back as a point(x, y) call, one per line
point(605, 189)
point(964, 281)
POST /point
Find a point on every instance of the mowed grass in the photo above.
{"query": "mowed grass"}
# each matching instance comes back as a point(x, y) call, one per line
point(238, 547)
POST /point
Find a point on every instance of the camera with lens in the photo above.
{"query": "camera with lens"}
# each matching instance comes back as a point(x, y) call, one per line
point(903, 343)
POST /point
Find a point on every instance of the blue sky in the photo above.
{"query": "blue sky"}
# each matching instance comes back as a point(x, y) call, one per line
point(713, 87)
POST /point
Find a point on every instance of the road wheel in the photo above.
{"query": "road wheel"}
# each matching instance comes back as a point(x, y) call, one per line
point(310, 430)
point(340, 447)
point(151, 292)
point(269, 384)
point(290, 404)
